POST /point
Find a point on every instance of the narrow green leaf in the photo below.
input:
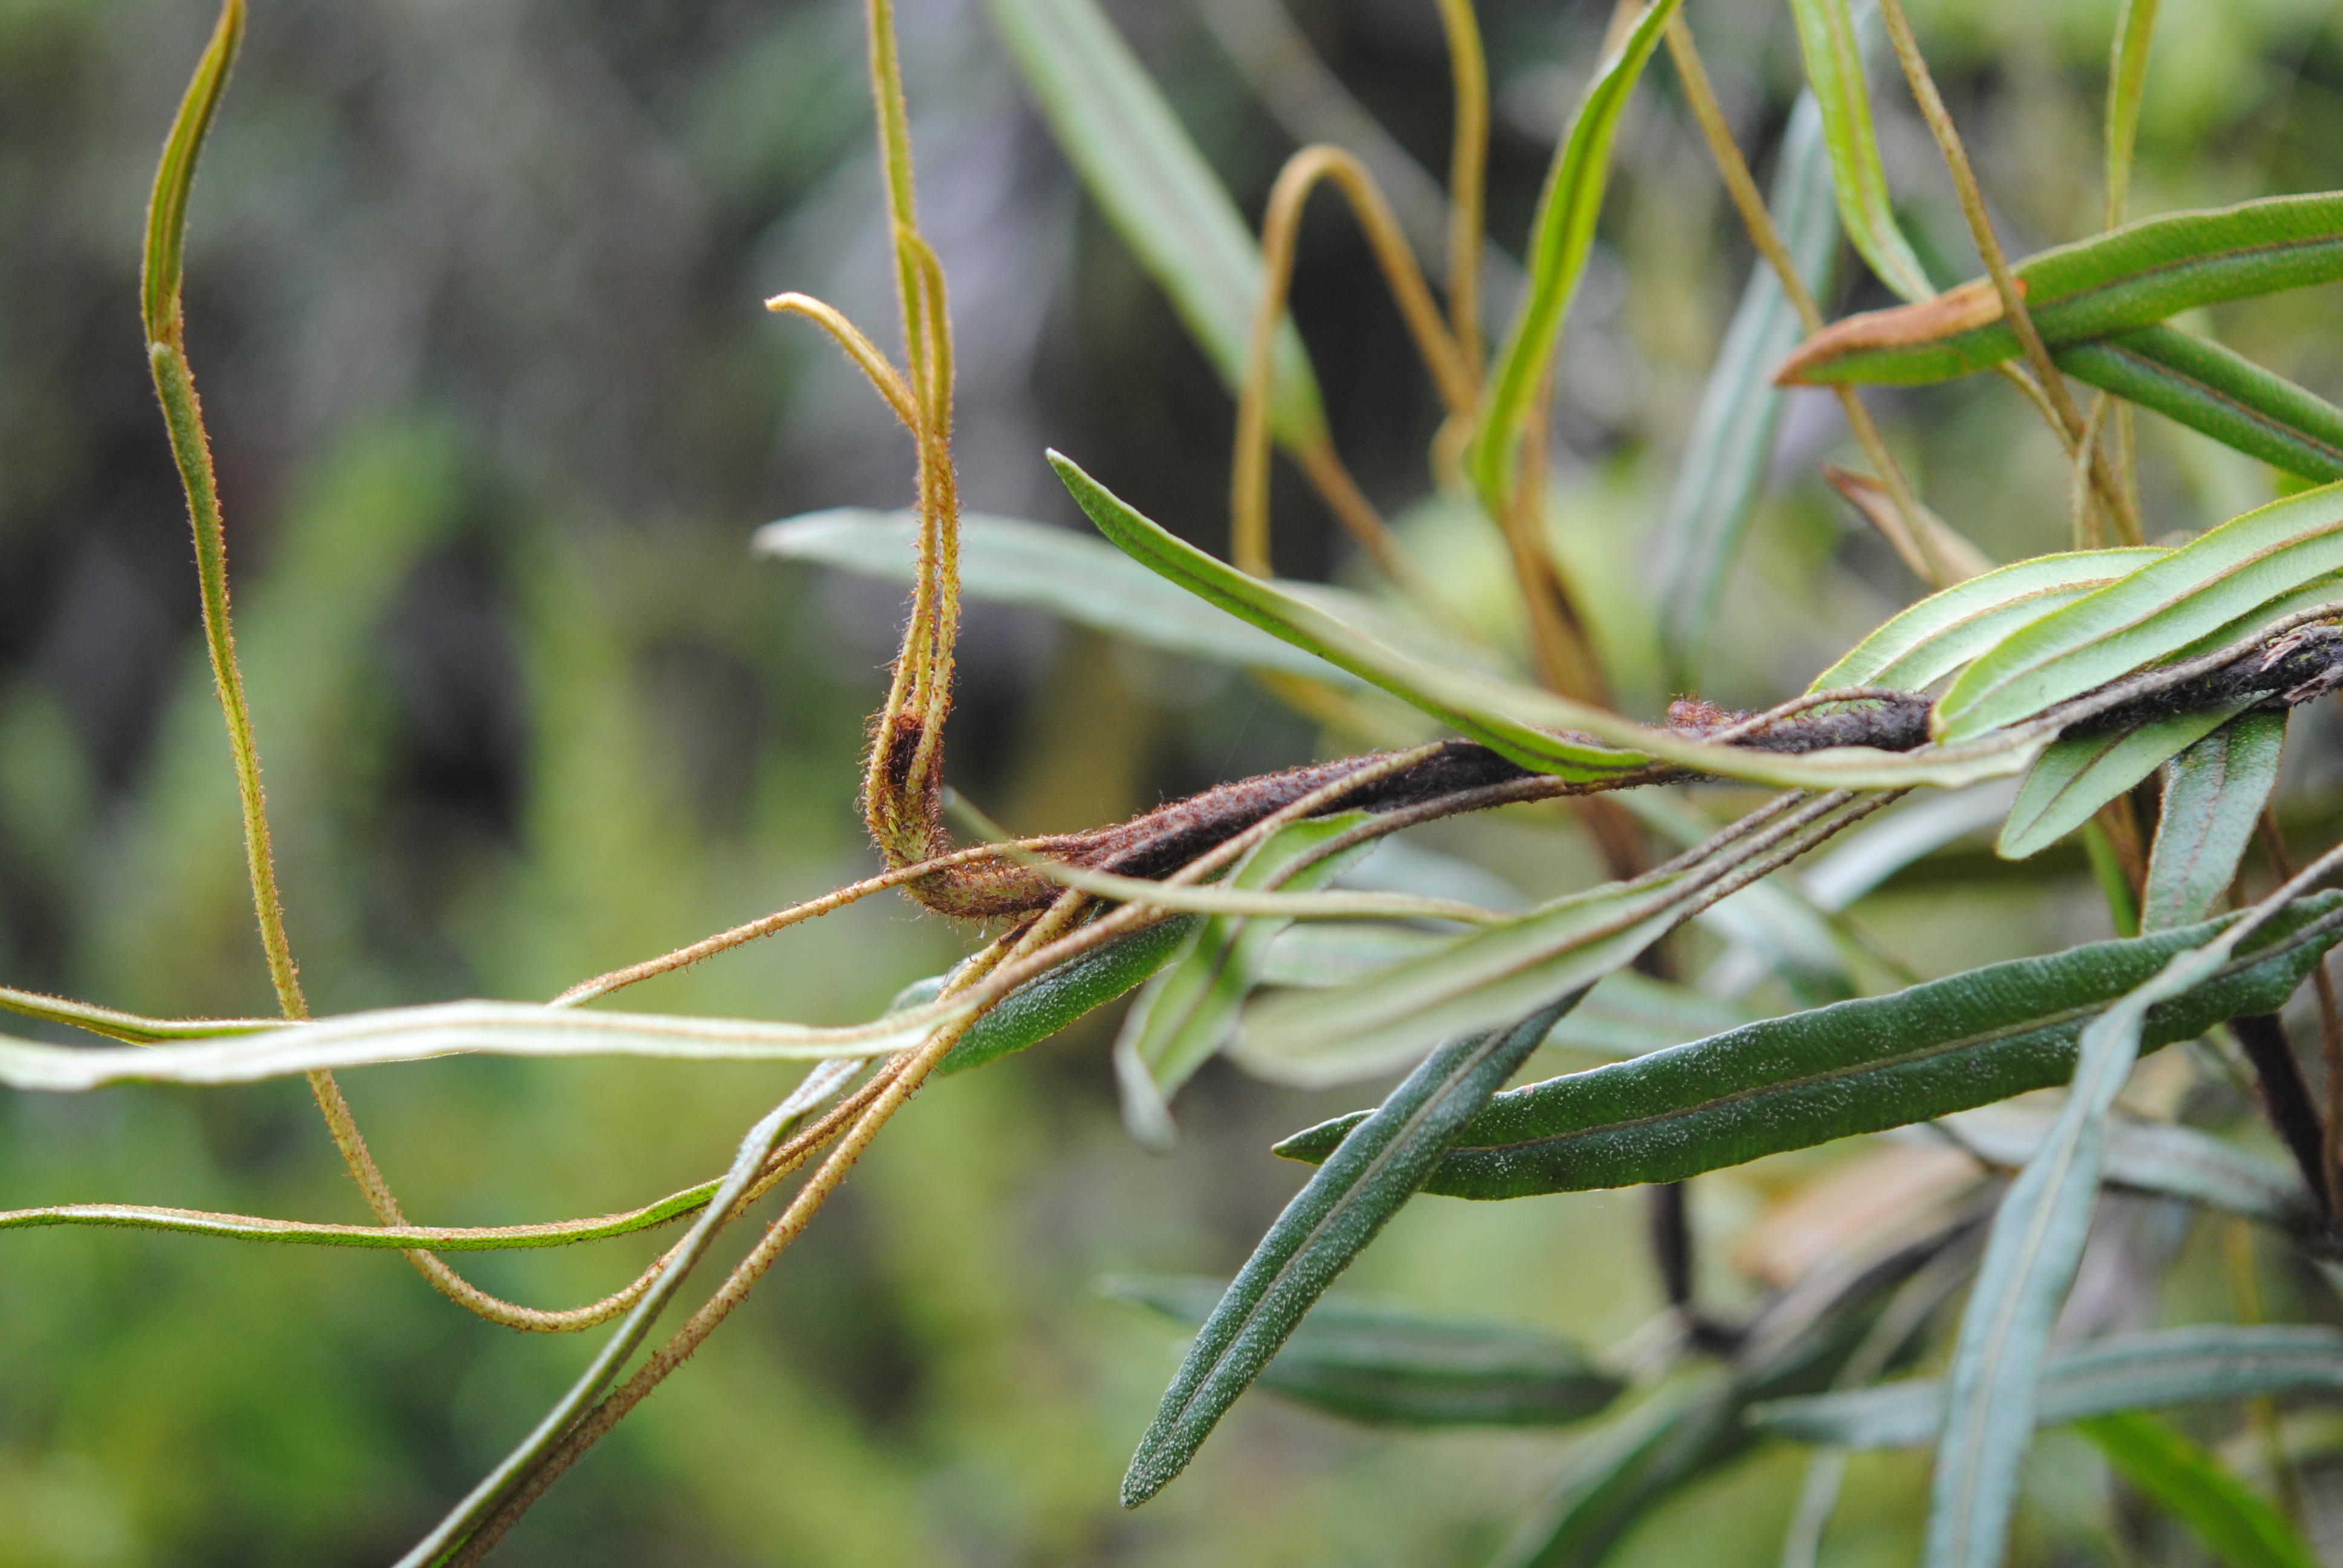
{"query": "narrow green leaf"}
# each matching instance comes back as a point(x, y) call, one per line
point(2238, 1523)
point(1337, 1212)
point(2221, 579)
point(1007, 561)
point(1935, 636)
point(1326, 1037)
point(2080, 773)
point(2147, 1370)
point(2120, 281)
point(2213, 797)
point(2030, 1258)
point(175, 176)
point(1041, 1008)
point(1730, 449)
point(2159, 1158)
point(1561, 236)
point(115, 1024)
point(1693, 1422)
point(1833, 51)
point(2217, 390)
point(1317, 955)
point(1860, 1066)
point(1189, 1010)
point(1519, 722)
point(1386, 1366)
point(1140, 166)
point(2127, 85)
point(461, 1522)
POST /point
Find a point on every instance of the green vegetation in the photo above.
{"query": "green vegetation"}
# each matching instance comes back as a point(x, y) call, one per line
point(1993, 1187)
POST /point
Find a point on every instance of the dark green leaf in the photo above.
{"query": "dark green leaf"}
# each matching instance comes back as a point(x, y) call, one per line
point(1337, 1212)
point(2211, 388)
point(1853, 1066)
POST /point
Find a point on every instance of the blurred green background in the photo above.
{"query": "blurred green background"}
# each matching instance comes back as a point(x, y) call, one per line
point(473, 301)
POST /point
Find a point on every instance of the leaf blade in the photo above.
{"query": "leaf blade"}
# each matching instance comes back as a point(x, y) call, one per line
point(1730, 449)
point(2220, 579)
point(2198, 383)
point(2237, 1522)
point(1561, 236)
point(1860, 1066)
point(1141, 167)
point(2080, 773)
point(1338, 1212)
point(1829, 44)
point(2213, 797)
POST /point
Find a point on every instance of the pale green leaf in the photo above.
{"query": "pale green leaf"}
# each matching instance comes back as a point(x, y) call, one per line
point(1140, 166)
point(2080, 773)
point(2213, 793)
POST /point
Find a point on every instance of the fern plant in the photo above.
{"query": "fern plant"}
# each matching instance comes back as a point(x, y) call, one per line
point(2133, 695)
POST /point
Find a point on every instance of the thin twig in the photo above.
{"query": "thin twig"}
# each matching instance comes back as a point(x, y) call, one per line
point(1911, 544)
point(1468, 69)
point(2067, 421)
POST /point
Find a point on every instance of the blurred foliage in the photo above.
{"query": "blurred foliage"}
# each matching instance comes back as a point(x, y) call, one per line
point(473, 294)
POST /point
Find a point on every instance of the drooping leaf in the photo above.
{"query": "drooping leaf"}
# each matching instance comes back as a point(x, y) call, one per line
point(2151, 1369)
point(1385, 1366)
point(1731, 447)
point(2239, 1525)
point(1517, 721)
point(2213, 389)
point(1860, 1066)
point(2224, 579)
point(1935, 636)
point(1992, 1387)
point(1138, 164)
point(2126, 278)
point(1832, 47)
point(1561, 236)
point(2080, 773)
point(1189, 1010)
point(2161, 1158)
point(1337, 1212)
point(2213, 796)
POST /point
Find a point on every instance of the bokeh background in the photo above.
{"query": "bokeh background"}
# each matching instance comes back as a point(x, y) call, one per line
point(474, 303)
